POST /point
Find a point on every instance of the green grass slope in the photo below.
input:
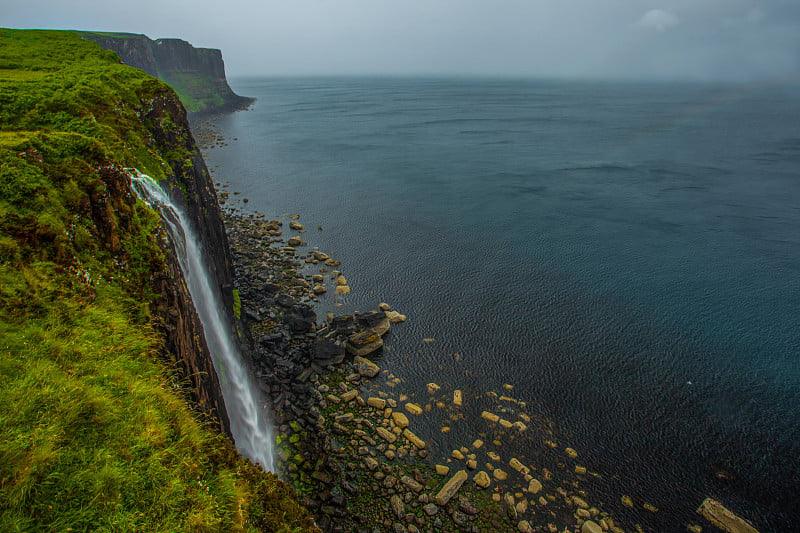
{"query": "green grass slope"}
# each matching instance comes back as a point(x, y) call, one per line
point(95, 433)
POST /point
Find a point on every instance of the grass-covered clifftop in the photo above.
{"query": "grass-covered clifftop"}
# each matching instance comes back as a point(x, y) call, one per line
point(95, 429)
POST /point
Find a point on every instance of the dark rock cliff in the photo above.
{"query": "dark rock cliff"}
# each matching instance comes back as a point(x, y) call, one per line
point(191, 187)
point(196, 74)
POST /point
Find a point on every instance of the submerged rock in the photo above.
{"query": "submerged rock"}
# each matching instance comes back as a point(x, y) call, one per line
point(364, 343)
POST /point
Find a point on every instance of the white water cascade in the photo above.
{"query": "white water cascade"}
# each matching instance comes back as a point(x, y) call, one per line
point(251, 429)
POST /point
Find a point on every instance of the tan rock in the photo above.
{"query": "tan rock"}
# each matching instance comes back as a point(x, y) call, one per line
point(395, 317)
point(494, 456)
point(377, 403)
point(580, 502)
point(580, 470)
point(413, 408)
point(477, 444)
point(442, 470)
point(591, 527)
point(432, 388)
point(342, 289)
point(319, 289)
point(386, 435)
point(365, 367)
point(482, 479)
point(472, 464)
point(534, 486)
point(505, 423)
point(500, 475)
point(491, 417)
point(724, 518)
point(518, 466)
point(627, 501)
point(383, 306)
point(450, 488)
point(341, 280)
point(456, 454)
point(570, 452)
point(296, 225)
point(524, 526)
point(457, 398)
point(348, 396)
point(413, 439)
point(400, 420)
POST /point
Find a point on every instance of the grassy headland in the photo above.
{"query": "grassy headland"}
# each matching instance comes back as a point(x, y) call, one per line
point(96, 432)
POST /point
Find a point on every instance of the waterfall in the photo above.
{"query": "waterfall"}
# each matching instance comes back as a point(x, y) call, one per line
point(252, 431)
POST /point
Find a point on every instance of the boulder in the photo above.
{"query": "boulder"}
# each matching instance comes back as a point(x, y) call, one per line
point(319, 289)
point(374, 320)
point(345, 324)
point(450, 488)
point(482, 479)
point(294, 241)
point(395, 317)
point(364, 343)
point(296, 225)
point(383, 306)
point(591, 527)
point(326, 351)
point(284, 300)
point(400, 420)
point(298, 324)
point(365, 367)
point(723, 518)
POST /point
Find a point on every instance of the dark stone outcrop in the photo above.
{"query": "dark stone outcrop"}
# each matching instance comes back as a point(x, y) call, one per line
point(198, 74)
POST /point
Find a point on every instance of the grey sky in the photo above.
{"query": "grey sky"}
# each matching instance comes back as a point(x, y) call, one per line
point(695, 39)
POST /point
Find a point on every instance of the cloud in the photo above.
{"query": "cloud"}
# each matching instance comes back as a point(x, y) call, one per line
point(658, 19)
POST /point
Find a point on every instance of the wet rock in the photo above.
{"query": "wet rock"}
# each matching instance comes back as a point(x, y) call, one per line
point(377, 403)
point(325, 351)
point(383, 306)
point(319, 289)
point(298, 324)
point(345, 324)
point(430, 509)
point(442, 470)
point(296, 225)
point(491, 417)
point(451, 488)
point(534, 486)
point(294, 241)
point(524, 527)
point(432, 388)
point(411, 483)
point(365, 343)
point(591, 527)
point(457, 398)
point(398, 506)
point(500, 475)
point(400, 420)
point(386, 435)
point(413, 439)
point(394, 317)
point(375, 321)
point(482, 479)
point(724, 518)
point(413, 408)
point(286, 301)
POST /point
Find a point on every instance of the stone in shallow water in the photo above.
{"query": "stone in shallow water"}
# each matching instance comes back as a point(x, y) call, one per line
point(442, 470)
point(723, 518)
point(361, 344)
point(414, 409)
point(482, 479)
point(591, 527)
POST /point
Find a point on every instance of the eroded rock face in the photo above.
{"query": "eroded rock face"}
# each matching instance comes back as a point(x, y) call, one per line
point(175, 61)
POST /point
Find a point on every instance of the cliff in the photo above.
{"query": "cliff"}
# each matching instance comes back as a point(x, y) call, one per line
point(196, 74)
point(110, 409)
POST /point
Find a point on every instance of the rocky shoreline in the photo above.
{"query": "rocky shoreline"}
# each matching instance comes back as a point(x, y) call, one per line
point(346, 431)
point(348, 435)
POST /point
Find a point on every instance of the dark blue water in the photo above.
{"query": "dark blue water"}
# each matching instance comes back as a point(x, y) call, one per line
point(628, 256)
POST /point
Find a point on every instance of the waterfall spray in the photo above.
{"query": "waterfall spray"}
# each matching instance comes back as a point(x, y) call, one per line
point(251, 429)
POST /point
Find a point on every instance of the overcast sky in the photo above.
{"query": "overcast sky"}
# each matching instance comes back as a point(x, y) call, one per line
point(665, 39)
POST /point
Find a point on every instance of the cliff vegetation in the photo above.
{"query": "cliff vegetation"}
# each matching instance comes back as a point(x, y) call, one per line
point(96, 427)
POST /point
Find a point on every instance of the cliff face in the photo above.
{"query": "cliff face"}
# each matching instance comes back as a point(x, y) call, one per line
point(99, 339)
point(196, 74)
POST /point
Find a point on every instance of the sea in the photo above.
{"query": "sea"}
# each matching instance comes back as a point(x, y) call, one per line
point(623, 257)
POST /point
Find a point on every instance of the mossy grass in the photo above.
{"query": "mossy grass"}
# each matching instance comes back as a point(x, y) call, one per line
point(96, 433)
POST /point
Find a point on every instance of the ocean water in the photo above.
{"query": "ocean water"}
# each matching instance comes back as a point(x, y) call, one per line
point(626, 255)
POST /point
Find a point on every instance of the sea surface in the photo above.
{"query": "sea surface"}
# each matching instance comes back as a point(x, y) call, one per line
point(627, 256)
